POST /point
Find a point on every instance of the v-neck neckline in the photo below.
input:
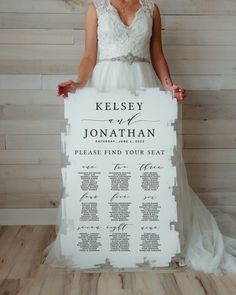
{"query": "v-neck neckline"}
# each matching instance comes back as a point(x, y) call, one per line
point(118, 16)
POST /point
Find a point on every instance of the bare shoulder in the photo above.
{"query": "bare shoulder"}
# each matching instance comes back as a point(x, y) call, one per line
point(91, 10)
point(91, 6)
point(156, 13)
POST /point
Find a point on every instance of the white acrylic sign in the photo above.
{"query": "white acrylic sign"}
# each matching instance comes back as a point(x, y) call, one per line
point(119, 204)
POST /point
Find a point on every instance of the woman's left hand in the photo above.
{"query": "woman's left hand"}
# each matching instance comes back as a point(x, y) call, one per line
point(179, 92)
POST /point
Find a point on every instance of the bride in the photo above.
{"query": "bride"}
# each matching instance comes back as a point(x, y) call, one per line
point(123, 49)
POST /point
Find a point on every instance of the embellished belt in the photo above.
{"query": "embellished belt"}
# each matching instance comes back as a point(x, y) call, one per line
point(130, 58)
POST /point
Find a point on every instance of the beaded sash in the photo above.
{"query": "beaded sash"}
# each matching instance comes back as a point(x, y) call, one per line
point(130, 58)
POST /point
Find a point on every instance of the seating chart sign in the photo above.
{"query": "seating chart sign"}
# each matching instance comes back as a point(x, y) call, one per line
point(118, 202)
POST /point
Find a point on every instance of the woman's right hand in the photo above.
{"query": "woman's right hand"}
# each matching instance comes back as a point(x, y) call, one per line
point(69, 86)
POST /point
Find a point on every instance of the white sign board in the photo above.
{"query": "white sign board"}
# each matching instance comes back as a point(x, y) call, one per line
point(119, 204)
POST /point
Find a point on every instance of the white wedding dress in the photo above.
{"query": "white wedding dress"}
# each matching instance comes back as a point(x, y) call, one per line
point(208, 238)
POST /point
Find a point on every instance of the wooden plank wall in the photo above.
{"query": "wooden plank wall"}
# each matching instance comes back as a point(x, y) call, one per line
point(41, 43)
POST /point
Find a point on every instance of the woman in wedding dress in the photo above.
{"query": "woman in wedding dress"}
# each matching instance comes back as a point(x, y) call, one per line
point(123, 49)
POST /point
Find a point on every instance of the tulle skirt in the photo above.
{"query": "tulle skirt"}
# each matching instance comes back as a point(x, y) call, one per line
point(207, 237)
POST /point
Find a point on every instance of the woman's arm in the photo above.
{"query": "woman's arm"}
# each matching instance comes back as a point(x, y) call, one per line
point(157, 56)
point(89, 57)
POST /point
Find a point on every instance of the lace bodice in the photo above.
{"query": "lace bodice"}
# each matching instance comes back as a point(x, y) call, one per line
point(118, 39)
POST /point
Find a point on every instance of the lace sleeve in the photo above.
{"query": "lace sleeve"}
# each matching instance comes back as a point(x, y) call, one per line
point(99, 5)
point(149, 4)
